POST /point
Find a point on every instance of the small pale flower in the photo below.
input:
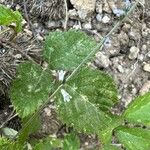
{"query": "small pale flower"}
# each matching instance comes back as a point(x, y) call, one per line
point(65, 95)
point(107, 42)
point(61, 75)
point(118, 12)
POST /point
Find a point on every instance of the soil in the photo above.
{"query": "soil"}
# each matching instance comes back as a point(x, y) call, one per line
point(126, 57)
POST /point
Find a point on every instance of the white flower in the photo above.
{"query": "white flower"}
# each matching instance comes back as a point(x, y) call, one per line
point(65, 95)
point(61, 75)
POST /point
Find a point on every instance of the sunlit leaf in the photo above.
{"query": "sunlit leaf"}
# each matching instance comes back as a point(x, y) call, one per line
point(31, 128)
point(97, 86)
point(71, 142)
point(133, 138)
point(76, 110)
point(48, 144)
point(8, 16)
point(10, 145)
point(139, 110)
point(66, 50)
point(30, 89)
point(110, 147)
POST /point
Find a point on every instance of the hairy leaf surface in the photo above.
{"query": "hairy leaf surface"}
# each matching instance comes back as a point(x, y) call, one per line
point(76, 110)
point(32, 128)
point(66, 50)
point(8, 16)
point(10, 145)
point(48, 143)
point(71, 142)
point(111, 147)
point(98, 87)
point(139, 110)
point(30, 89)
point(133, 138)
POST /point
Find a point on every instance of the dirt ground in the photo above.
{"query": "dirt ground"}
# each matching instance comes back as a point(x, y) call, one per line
point(126, 57)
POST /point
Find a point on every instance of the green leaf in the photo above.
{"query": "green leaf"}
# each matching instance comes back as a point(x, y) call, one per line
point(30, 89)
point(8, 16)
point(110, 147)
point(71, 142)
point(48, 144)
point(10, 145)
point(98, 87)
point(75, 110)
point(32, 127)
point(66, 50)
point(139, 110)
point(133, 138)
point(106, 134)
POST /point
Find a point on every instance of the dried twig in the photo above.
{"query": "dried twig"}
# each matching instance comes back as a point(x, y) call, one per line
point(19, 49)
point(66, 18)
point(28, 20)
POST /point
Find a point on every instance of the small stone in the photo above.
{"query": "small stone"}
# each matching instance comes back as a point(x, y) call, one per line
point(99, 17)
point(144, 47)
point(145, 88)
point(87, 5)
point(114, 49)
point(87, 25)
point(126, 27)
point(134, 51)
point(120, 69)
point(123, 37)
point(18, 56)
point(146, 67)
point(134, 34)
point(53, 24)
point(141, 57)
point(82, 14)
point(102, 60)
point(106, 19)
point(145, 30)
point(72, 14)
point(106, 7)
point(99, 7)
point(47, 111)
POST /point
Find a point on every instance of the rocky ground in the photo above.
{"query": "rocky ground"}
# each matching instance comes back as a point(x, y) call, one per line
point(125, 56)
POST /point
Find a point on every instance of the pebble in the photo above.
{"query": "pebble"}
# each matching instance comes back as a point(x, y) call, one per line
point(99, 7)
point(126, 27)
point(87, 5)
point(145, 88)
point(53, 24)
point(73, 14)
point(99, 17)
point(106, 7)
point(120, 69)
point(134, 51)
point(102, 60)
point(87, 25)
point(134, 34)
point(144, 47)
point(106, 19)
point(123, 37)
point(146, 67)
